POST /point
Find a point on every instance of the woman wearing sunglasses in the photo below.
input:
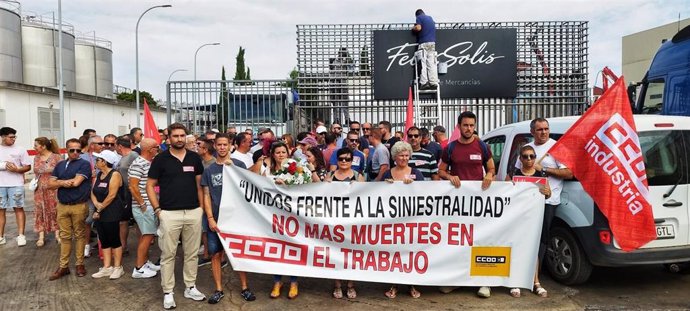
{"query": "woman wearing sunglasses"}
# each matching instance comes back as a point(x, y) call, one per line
point(107, 198)
point(344, 173)
point(528, 157)
point(401, 153)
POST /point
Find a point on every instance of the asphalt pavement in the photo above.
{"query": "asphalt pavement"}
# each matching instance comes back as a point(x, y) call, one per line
point(24, 285)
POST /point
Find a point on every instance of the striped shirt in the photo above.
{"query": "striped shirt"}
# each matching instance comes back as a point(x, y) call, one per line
point(425, 162)
point(140, 170)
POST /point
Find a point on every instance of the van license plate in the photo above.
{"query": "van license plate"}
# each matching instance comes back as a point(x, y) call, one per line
point(665, 232)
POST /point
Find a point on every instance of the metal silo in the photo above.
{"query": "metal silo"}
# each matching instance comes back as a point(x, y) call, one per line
point(39, 51)
point(94, 66)
point(11, 39)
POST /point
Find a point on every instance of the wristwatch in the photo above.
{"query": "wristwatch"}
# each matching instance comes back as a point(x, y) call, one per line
point(543, 170)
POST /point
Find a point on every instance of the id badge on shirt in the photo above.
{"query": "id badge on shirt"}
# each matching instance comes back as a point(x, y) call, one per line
point(188, 168)
point(411, 176)
point(475, 157)
point(355, 161)
point(102, 185)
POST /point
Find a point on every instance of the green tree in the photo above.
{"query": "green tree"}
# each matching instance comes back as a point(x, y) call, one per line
point(240, 71)
point(223, 102)
point(292, 77)
point(132, 97)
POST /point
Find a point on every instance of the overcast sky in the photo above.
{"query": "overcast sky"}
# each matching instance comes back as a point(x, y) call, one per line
point(168, 37)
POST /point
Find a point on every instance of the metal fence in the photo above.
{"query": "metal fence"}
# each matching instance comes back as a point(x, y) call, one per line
point(205, 105)
point(552, 75)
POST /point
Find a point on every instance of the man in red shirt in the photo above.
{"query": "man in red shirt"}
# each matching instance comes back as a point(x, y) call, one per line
point(467, 158)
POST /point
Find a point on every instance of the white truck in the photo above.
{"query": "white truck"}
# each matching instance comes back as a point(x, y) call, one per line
point(580, 234)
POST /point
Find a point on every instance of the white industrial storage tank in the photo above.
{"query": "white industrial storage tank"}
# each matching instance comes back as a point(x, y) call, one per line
point(39, 52)
point(10, 42)
point(94, 66)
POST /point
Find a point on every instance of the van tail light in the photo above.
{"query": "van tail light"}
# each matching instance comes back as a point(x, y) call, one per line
point(663, 124)
point(605, 237)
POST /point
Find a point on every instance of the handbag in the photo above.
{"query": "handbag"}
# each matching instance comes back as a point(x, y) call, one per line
point(33, 184)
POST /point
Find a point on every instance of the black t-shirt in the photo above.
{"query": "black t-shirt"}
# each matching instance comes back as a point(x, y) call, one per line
point(177, 180)
point(518, 172)
point(114, 210)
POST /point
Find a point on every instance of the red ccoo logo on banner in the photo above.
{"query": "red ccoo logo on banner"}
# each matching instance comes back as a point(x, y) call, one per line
point(603, 151)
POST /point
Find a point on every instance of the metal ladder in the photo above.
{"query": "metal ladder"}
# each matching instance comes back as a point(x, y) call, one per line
point(427, 110)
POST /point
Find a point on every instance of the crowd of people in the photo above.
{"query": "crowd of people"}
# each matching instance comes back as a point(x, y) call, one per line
point(172, 190)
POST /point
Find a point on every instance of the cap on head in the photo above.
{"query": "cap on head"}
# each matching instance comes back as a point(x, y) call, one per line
point(321, 129)
point(309, 141)
point(107, 156)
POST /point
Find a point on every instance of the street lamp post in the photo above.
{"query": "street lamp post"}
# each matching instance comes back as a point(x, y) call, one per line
point(136, 44)
point(167, 88)
point(194, 111)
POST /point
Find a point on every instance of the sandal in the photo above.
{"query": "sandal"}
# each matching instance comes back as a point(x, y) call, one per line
point(391, 293)
point(337, 293)
point(294, 291)
point(40, 243)
point(351, 292)
point(414, 292)
point(540, 291)
point(275, 293)
point(515, 292)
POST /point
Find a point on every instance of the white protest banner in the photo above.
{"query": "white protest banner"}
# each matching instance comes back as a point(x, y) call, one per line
point(423, 233)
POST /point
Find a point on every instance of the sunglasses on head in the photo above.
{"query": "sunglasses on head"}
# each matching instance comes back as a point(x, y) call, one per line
point(345, 159)
point(74, 150)
point(413, 135)
point(354, 140)
point(100, 144)
point(366, 128)
point(109, 144)
point(528, 156)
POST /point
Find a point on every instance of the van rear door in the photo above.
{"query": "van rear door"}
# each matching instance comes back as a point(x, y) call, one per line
point(666, 159)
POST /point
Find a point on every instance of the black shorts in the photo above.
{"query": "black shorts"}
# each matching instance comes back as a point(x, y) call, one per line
point(127, 207)
point(108, 233)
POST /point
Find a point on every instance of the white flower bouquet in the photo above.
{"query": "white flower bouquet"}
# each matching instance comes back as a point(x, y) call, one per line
point(293, 173)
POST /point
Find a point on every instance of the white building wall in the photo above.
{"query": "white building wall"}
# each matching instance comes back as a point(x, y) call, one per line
point(21, 110)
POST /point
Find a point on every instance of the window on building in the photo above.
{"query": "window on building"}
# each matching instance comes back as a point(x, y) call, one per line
point(48, 122)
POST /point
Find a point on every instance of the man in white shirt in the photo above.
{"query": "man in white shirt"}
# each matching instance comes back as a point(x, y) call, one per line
point(555, 171)
point(243, 141)
point(14, 162)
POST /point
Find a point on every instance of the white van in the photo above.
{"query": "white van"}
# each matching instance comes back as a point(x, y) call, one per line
point(580, 234)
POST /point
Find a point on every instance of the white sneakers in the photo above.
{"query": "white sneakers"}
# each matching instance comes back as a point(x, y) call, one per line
point(152, 266)
point(117, 273)
point(112, 272)
point(2, 240)
point(484, 292)
point(143, 273)
point(87, 250)
point(194, 294)
point(21, 240)
point(168, 301)
point(103, 272)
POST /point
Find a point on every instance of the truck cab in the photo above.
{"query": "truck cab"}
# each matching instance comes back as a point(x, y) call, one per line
point(580, 234)
point(665, 88)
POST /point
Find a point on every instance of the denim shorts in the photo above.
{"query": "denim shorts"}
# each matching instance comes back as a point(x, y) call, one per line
point(146, 221)
point(11, 197)
point(214, 244)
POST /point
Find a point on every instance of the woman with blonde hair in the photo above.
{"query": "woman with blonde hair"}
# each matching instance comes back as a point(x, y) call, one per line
point(45, 200)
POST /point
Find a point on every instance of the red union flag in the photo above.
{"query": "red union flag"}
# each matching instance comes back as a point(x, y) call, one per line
point(603, 151)
point(150, 129)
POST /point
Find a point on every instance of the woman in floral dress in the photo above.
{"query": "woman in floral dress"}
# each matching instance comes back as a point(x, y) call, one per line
point(45, 200)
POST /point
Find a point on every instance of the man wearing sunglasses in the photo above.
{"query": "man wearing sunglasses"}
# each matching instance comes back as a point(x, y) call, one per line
point(72, 179)
point(95, 144)
point(358, 157)
point(421, 159)
point(109, 142)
